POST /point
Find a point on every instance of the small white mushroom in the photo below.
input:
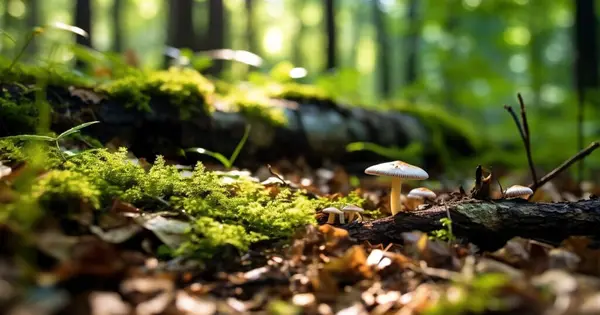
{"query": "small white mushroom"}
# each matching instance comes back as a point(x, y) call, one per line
point(417, 195)
point(399, 171)
point(518, 191)
point(353, 210)
point(332, 211)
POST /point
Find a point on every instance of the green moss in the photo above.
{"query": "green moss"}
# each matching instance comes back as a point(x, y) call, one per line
point(297, 91)
point(51, 74)
point(11, 152)
point(182, 87)
point(64, 188)
point(242, 212)
point(18, 116)
point(254, 105)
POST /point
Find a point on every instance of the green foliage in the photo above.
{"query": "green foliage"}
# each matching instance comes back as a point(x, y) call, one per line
point(475, 296)
point(182, 87)
point(227, 162)
point(11, 152)
point(410, 154)
point(64, 187)
point(56, 139)
point(17, 115)
point(444, 234)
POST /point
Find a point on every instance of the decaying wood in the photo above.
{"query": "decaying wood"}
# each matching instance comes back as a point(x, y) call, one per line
point(489, 224)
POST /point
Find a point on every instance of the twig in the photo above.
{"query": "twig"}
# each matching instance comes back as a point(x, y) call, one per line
point(525, 141)
point(527, 137)
point(580, 155)
point(500, 185)
point(277, 175)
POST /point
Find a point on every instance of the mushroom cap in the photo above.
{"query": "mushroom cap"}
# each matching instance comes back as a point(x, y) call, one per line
point(397, 169)
point(353, 208)
point(332, 210)
point(421, 192)
point(517, 190)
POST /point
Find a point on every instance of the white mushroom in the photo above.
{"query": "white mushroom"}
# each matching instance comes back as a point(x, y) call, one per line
point(332, 211)
point(399, 171)
point(417, 195)
point(518, 191)
point(353, 210)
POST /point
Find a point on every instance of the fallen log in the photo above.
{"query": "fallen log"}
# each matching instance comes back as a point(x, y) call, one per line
point(489, 224)
point(317, 130)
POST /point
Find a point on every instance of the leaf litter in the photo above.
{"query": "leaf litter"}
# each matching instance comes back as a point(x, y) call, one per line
point(113, 265)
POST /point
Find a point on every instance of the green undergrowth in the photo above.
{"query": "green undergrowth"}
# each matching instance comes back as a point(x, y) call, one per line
point(236, 213)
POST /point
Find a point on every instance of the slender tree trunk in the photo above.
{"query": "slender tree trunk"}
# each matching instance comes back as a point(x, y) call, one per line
point(250, 32)
point(535, 51)
point(215, 37)
point(83, 20)
point(412, 42)
point(450, 27)
point(331, 33)
point(586, 61)
point(297, 52)
point(383, 51)
point(357, 26)
point(181, 33)
point(33, 11)
point(117, 20)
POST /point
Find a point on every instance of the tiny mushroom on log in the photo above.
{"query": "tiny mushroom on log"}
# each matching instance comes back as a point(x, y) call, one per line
point(399, 171)
point(353, 210)
point(417, 195)
point(518, 191)
point(332, 211)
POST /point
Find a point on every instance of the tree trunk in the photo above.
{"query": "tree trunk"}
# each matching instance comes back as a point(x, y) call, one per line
point(33, 11)
point(412, 42)
point(586, 60)
point(215, 36)
point(117, 20)
point(330, 30)
point(250, 32)
point(83, 20)
point(383, 51)
point(489, 224)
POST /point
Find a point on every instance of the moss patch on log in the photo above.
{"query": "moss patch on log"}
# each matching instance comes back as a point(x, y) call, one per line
point(221, 211)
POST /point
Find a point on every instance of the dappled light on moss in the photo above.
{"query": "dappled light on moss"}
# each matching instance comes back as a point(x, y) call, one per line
point(63, 187)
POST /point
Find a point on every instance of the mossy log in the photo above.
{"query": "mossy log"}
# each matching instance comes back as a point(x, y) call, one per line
point(317, 130)
point(489, 224)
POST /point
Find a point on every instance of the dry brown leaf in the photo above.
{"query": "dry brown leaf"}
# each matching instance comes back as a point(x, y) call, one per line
point(590, 258)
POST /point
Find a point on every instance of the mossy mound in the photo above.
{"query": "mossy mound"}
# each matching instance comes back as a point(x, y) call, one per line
point(222, 210)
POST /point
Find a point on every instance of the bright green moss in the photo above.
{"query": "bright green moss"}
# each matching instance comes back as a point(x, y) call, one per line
point(55, 75)
point(65, 187)
point(182, 87)
point(19, 116)
point(10, 152)
point(255, 105)
point(297, 91)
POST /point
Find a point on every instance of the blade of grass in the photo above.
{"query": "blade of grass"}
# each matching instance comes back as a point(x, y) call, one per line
point(30, 137)
point(215, 155)
point(239, 146)
point(76, 129)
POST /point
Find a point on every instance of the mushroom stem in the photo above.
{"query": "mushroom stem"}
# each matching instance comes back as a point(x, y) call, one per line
point(331, 218)
point(342, 219)
point(395, 203)
point(350, 216)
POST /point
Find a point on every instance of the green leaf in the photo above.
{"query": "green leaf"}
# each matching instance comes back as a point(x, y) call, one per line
point(76, 129)
point(30, 137)
point(239, 146)
point(215, 155)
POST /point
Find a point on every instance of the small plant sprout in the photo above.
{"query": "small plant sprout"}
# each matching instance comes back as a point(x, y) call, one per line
point(399, 171)
point(227, 162)
point(518, 191)
point(56, 139)
point(418, 195)
point(353, 210)
point(332, 211)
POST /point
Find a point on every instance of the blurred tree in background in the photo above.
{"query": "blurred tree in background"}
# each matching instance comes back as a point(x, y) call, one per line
point(464, 57)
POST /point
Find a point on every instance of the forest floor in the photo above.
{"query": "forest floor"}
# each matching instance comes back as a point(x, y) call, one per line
point(113, 261)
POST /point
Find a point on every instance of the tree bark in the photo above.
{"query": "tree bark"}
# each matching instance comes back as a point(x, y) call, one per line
point(586, 61)
point(250, 32)
point(412, 42)
point(383, 51)
point(83, 20)
point(489, 224)
point(215, 36)
point(330, 30)
point(117, 20)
